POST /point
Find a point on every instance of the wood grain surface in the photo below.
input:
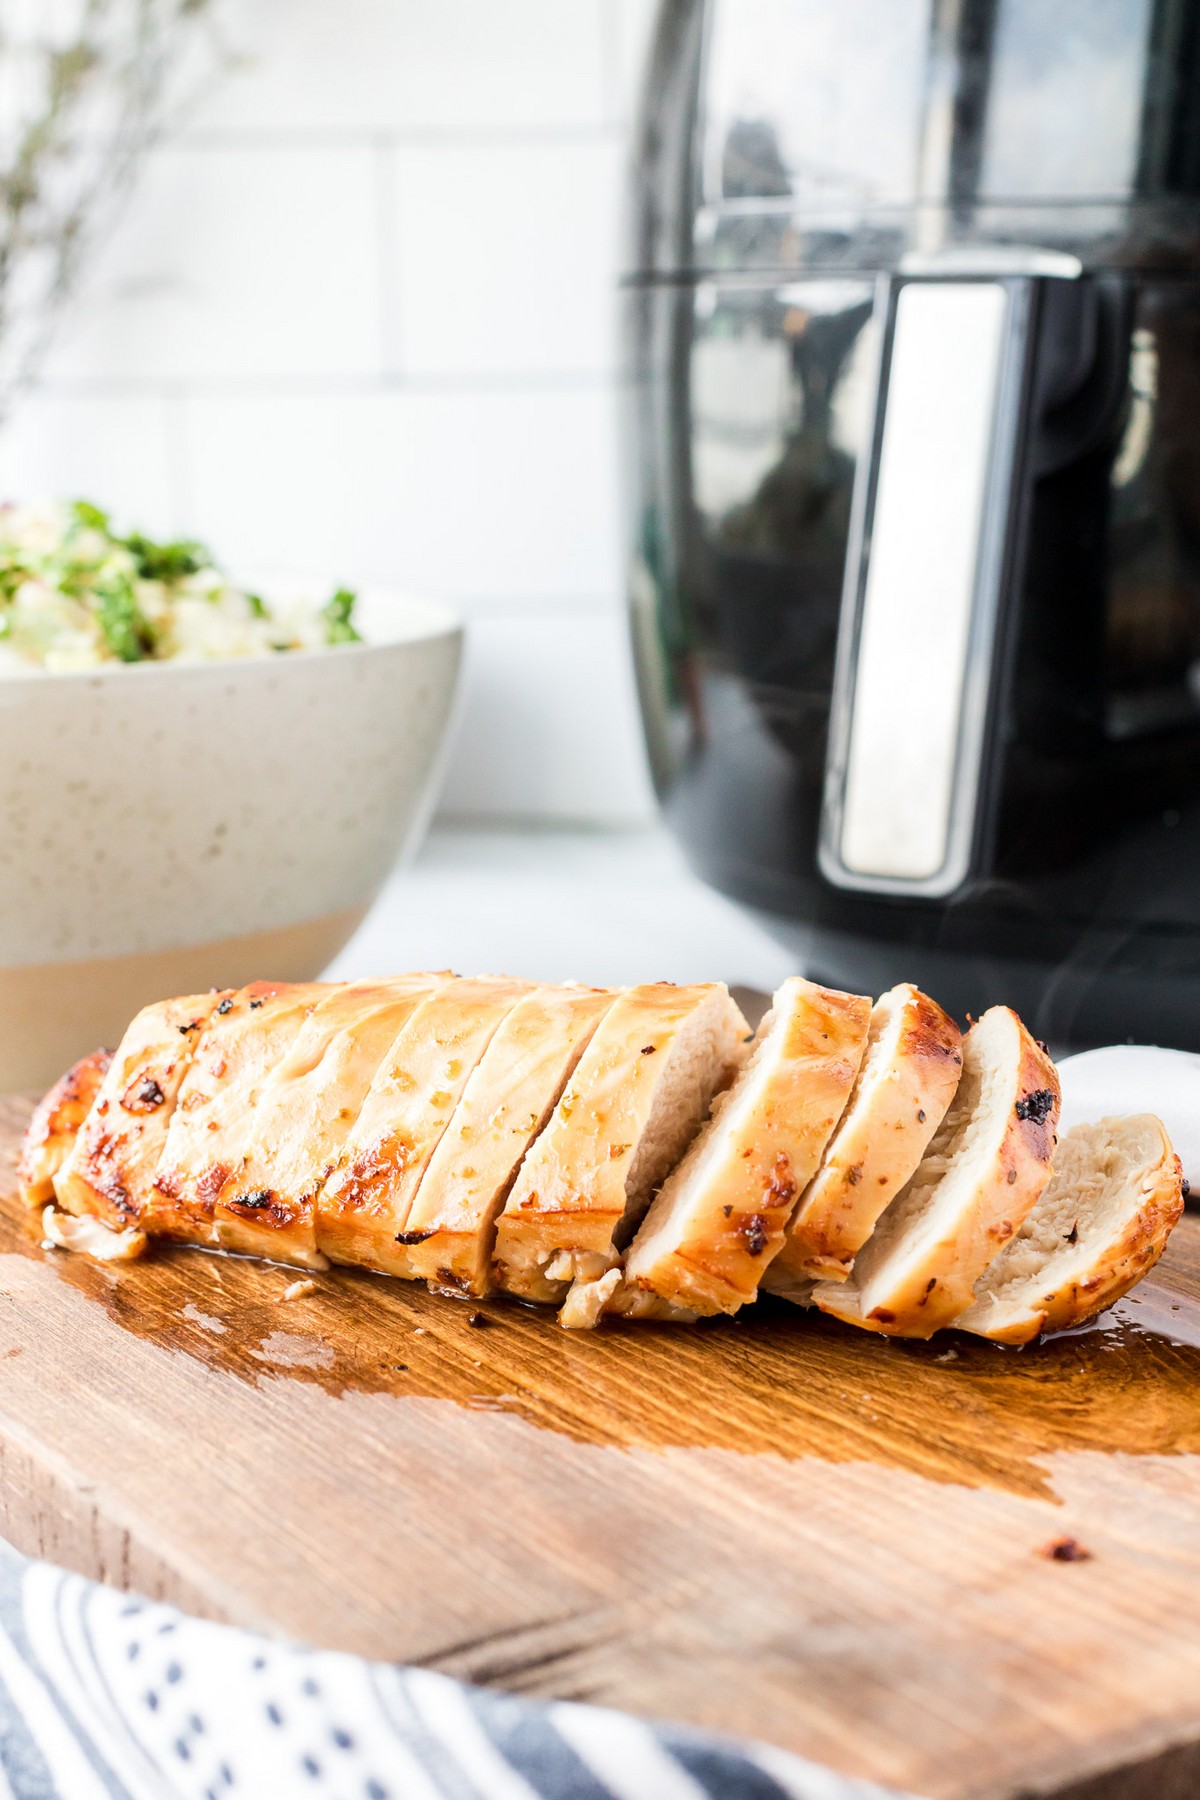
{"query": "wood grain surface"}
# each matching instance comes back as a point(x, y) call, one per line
point(778, 1526)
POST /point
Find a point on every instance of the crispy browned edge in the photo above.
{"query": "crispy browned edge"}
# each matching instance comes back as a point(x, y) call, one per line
point(723, 1272)
point(58, 1114)
point(1026, 1156)
point(931, 1044)
point(1122, 1266)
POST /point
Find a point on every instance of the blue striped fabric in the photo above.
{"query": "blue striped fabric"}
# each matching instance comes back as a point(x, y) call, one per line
point(106, 1697)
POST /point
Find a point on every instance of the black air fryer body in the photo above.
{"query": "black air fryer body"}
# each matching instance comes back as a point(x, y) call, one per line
point(915, 533)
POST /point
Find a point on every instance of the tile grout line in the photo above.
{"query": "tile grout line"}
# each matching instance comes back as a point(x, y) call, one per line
point(486, 609)
point(434, 137)
point(475, 382)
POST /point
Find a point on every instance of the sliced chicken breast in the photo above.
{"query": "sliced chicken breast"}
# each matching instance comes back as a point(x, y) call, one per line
point(1113, 1200)
point(111, 1167)
point(721, 1216)
point(198, 1194)
point(285, 1141)
point(55, 1124)
point(987, 1166)
point(362, 1211)
point(505, 1104)
point(641, 1091)
point(905, 1084)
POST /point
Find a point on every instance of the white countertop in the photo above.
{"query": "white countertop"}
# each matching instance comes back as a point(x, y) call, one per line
point(605, 907)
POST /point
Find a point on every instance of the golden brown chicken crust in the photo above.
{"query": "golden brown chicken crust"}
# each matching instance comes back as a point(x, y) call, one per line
point(289, 1140)
point(1118, 1266)
point(57, 1118)
point(362, 1210)
point(720, 1217)
point(590, 1174)
point(938, 1285)
point(110, 1169)
point(505, 1105)
point(890, 1119)
point(217, 1118)
point(197, 1194)
point(1130, 1258)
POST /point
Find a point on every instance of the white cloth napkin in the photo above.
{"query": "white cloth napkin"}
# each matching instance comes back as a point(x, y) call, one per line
point(1135, 1078)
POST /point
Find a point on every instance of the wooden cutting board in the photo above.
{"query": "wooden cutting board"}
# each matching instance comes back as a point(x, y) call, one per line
point(777, 1526)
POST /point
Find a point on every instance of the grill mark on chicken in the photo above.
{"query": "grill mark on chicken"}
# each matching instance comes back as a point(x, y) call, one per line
point(144, 1095)
point(254, 1200)
point(299, 1060)
point(365, 1182)
point(209, 1185)
point(781, 1189)
point(111, 1167)
point(106, 1175)
point(403, 1118)
point(55, 1125)
point(264, 1207)
point(219, 1095)
point(753, 1233)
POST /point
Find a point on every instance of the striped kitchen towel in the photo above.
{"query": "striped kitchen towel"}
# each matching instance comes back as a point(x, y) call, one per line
point(107, 1697)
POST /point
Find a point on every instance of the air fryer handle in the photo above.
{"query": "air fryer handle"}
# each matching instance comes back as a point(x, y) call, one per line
point(931, 525)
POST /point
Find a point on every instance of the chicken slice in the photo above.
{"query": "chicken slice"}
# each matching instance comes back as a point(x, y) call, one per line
point(112, 1164)
point(505, 1104)
point(88, 1236)
point(1114, 1198)
point(311, 1100)
point(985, 1169)
point(641, 1091)
point(198, 1195)
point(362, 1211)
point(721, 1216)
point(51, 1132)
point(282, 1144)
point(906, 1082)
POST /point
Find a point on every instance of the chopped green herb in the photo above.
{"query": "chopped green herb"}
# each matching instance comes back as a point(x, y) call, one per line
point(337, 613)
point(89, 516)
point(166, 562)
point(75, 593)
point(125, 628)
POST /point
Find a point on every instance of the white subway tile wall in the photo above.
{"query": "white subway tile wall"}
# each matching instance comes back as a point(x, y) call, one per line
point(524, 243)
point(358, 318)
point(235, 264)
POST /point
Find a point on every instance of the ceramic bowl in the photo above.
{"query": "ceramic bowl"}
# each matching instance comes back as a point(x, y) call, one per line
point(166, 828)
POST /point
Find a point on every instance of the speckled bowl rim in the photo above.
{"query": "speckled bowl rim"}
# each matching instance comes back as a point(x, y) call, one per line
point(416, 620)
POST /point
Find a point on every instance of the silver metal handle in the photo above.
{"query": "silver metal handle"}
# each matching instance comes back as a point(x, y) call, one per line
point(917, 642)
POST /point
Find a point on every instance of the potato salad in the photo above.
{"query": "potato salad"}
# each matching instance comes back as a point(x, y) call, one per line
point(75, 594)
